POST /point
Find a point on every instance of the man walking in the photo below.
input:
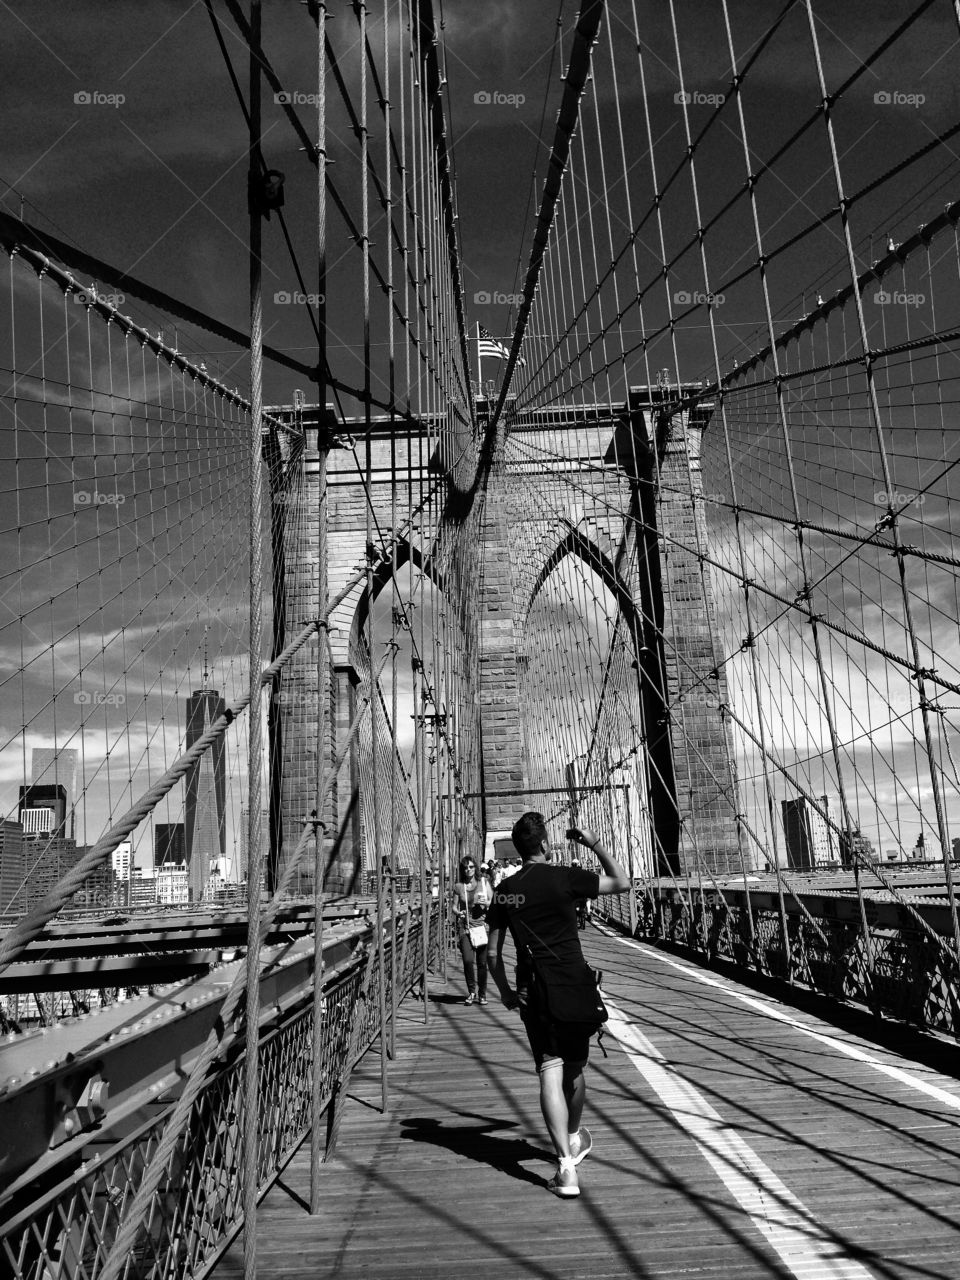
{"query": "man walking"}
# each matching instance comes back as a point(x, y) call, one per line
point(538, 904)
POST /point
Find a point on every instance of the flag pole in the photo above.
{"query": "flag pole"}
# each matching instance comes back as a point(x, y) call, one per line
point(479, 371)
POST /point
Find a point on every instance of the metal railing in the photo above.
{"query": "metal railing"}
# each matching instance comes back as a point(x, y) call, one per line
point(900, 965)
point(197, 1209)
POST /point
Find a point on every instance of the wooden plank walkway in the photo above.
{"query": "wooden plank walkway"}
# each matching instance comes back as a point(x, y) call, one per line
point(735, 1137)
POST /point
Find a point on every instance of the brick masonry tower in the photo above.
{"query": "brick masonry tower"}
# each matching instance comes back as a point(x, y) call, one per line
point(696, 683)
point(502, 739)
point(405, 459)
point(638, 520)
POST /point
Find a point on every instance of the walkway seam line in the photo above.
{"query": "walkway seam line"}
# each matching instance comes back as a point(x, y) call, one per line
point(781, 1217)
point(852, 1051)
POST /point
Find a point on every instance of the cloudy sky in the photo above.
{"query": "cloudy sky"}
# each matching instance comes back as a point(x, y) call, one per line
point(150, 173)
point(122, 135)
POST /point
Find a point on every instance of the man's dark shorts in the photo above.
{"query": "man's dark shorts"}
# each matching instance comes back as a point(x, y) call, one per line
point(551, 1042)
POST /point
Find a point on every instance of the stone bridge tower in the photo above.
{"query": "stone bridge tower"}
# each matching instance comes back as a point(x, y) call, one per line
point(636, 523)
point(406, 458)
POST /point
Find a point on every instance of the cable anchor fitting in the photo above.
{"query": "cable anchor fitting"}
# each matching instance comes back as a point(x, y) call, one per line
point(924, 673)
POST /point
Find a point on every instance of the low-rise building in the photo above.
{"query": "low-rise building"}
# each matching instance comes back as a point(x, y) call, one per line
point(173, 884)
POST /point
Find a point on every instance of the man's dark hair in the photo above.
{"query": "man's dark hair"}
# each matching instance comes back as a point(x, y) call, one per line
point(529, 832)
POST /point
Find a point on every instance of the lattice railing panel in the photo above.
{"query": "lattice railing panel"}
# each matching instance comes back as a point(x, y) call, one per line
point(197, 1206)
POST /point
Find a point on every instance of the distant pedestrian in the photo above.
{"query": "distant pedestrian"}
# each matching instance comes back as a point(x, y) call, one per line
point(556, 989)
point(473, 895)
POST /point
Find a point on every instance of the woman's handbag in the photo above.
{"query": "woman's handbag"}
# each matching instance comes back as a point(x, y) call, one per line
point(482, 898)
point(478, 935)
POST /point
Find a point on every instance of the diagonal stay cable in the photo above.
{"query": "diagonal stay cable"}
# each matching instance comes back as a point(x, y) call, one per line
point(585, 34)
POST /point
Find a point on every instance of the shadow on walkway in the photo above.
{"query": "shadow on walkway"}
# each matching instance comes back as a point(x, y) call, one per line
point(478, 1142)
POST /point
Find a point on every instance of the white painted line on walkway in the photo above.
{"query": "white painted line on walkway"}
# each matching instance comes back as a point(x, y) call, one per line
point(788, 1226)
point(769, 1010)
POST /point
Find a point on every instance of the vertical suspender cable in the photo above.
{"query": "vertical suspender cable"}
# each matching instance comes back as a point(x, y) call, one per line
point(695, 196)
point(407, 112)
point(882, 454)
point(251, 1110)
point(373, 828)
point(393, 539)
point(642, 545)
point(323, 663)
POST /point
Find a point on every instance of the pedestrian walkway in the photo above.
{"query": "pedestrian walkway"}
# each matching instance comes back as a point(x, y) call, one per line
point(734, 1137)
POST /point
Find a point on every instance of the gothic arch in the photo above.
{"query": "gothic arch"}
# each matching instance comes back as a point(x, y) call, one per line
point(575, 544)
point(648, 660)
point(384, 573)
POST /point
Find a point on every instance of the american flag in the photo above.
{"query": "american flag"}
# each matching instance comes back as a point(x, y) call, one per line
point(489, 346)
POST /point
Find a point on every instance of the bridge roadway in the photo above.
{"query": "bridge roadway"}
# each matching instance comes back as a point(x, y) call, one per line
point(735, 1137)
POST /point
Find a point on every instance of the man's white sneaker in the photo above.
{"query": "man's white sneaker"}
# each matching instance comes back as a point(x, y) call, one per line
point(581, 1144)
point(565, 1182)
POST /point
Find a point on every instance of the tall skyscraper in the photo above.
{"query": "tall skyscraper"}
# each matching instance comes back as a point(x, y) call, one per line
point(57, 766)
point(205, 810)
point(47, 859)
point(43, 809)
point(169, 843)
point(809, 840)
point(13, 867)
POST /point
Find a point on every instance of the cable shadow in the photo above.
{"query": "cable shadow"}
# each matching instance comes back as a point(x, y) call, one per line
point(291, 1194)
point(822, 1088)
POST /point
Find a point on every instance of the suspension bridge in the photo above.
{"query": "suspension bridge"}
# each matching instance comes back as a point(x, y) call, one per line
point(332, 539)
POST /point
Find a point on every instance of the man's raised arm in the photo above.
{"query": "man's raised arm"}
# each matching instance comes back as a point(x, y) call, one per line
point(614, 879)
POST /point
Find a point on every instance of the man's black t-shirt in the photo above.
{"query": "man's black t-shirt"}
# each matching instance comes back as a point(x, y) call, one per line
point(538, 904)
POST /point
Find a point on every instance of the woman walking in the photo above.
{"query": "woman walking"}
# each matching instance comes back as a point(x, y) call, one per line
point(472, 898)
